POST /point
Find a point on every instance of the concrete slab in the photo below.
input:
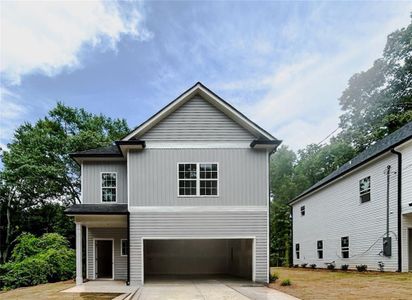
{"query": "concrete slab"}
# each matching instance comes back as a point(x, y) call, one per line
point(102, 286)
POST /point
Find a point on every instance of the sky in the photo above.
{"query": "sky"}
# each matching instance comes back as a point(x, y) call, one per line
point(282, 64)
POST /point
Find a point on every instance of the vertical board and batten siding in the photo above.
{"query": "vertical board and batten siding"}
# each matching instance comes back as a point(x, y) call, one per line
point(92, 170)
point(335, 211)
point(120, 262)
point(406, 151)
point(197, 120)
point(242, 177)
point(196, 225)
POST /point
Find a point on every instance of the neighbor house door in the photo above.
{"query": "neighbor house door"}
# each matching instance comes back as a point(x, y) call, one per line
point(104, 259)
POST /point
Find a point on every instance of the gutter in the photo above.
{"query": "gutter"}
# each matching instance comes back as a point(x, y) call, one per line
point(128, 249)
point(399, 154)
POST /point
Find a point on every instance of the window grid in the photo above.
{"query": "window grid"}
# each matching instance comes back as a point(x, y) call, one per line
point(365, 189)
point(198, 179)
point(345, 246)
point(297, 250)
point(302, 210)
point(320, 249)
point(109, 186)
point(124, 247)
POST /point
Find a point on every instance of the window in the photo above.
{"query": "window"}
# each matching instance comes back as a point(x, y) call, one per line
point(365, 189)
point(198, 179)
point(124, 246)
point(302, 210)
point(109, 187)
point(297, 249)
point(320, 249)
point(345, 246)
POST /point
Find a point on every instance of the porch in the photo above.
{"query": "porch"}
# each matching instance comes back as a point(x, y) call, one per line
point(102, 286)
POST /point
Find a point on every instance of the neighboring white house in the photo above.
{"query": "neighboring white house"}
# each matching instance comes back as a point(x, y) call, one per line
point(184, 193)
point(360, 213)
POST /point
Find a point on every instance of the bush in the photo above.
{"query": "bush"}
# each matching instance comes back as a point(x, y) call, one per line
point(38, 260)
point(286, 282)
point(344, 267)
point(296, 266)
point(313, 266)
point(273, 277)
point(331, 267)
point(304, 265)
point(362, 268)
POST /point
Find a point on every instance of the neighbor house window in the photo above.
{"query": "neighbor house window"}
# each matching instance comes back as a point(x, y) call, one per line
point(345, 247)
point(320, 249)
point(109, 187)
point(297, 250)
point(302, 210)
point(365, 189)
point(124, 246)
point(198, 179)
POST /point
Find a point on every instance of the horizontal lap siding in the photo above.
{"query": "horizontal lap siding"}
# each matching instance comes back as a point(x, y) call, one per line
point(198, 225)
point(336, 211)
point(197, 120)
point(242, 177)
point(120, 262)
point(91, 188)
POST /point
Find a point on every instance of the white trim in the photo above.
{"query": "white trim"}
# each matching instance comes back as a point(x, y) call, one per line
point(79, 252)
point(94, 256)
point(128, 177)
point(197, 208)
point(81, 182)
point(121, 248)
point(267, 215)
point(101, 187)
point(157, 144)
point(229, 111)
point(87, 251)
point(197, 237)
point(197, 180)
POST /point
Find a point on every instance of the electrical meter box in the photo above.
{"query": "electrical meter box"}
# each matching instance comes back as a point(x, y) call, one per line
point(387, 246)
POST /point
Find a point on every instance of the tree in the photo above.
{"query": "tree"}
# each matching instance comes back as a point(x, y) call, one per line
point(37, 167)
point(379, 101)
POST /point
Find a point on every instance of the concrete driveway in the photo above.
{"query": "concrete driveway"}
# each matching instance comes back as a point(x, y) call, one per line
point(207, 289)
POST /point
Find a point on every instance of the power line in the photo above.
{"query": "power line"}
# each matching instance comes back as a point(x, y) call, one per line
point(328, 136)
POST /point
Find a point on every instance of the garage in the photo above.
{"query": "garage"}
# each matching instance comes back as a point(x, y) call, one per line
point(202, 257)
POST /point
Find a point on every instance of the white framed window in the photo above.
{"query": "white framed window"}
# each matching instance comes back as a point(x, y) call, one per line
point(109, 186)
point(365, 189)
point(344, 243)
point(297, 250)
point(320, 249)
point(302, 210)
point(124, 247)
point(198, 179)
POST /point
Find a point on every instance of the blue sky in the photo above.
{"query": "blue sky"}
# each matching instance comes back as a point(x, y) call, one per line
point(283, 64)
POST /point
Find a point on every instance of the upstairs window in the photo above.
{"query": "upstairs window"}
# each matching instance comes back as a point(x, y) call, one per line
point(320, 249)
point(365, 189)
point(345, 246)
point(297, 250)
point(302, 210)
point(198, 179)
point(109, 188)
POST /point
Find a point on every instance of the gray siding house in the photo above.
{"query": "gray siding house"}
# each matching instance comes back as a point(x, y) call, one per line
point(184, 193)
point(361, 214)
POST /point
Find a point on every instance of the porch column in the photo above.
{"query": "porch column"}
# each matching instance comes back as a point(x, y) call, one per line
point(79, 260)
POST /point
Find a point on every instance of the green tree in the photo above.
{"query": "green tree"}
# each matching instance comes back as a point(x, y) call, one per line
point(37, 168)
point(379, 101)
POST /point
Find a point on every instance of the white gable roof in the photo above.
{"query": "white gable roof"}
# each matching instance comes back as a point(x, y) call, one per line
point(212, 98)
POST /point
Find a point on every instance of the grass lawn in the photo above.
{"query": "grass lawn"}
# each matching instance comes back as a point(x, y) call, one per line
point(51, 291)
point(325, 284)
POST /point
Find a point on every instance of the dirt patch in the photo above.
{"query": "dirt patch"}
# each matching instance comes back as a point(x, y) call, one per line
point(325, 284)
point(51, 291)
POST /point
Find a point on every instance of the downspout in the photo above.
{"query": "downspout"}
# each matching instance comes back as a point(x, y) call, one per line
point(399, 154)
point(128, 249)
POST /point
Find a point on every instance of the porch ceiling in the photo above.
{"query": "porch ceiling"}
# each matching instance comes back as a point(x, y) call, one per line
point(114, 221)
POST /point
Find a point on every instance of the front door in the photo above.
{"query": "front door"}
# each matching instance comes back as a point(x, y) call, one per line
point(104, 259)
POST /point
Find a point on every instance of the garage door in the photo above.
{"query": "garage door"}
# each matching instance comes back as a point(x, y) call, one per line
point(199, 257)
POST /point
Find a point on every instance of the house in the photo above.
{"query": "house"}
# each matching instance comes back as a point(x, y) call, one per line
point(184, 193)
point(361, 214)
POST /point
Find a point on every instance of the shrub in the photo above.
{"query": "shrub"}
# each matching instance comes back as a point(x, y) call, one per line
point(273, 277)
point(304, 265)
point(331, 267)
point(286, 282)
point(38, 260)
point(381, 266)
point(344, 267)
point(296, 266)
point(362, 268)
point(313, 266)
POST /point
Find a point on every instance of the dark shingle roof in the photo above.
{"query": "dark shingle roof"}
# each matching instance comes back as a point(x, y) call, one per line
point(392, 140)
point(97, 209)
point(112, 150)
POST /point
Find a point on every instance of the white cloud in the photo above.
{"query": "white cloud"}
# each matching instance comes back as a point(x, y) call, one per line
point(47, 36)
